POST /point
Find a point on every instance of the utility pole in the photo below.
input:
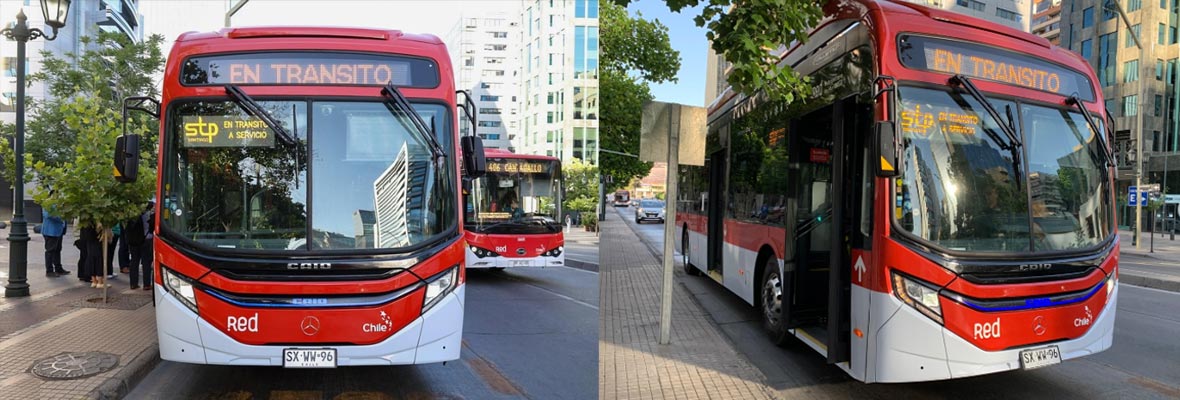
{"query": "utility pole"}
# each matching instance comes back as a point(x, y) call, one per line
point(234, 10)
point(1139, 107)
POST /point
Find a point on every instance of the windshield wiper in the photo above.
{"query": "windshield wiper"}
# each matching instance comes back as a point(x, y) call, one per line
point(1013, 144)
point(1106, 151)
point(253, 108)
point(397, 103)
point(1005, 125)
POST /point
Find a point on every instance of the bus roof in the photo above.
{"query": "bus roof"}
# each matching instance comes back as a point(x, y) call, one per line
point(500, 153)
point(886, 19)
point(307, 32)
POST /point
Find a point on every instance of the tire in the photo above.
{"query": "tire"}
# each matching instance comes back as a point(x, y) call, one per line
point(638, 221)
point(772, 292)
point(688, 268)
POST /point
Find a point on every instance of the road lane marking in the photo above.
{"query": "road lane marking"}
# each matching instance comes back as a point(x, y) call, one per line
point(578, 269)
point(592, 306)
point(487, 371)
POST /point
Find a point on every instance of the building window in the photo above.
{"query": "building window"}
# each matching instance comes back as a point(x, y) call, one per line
point(1159, 105)
point(972, 4)
point(1131, 71)
point(1155, 141)
point(1159, 70)
point(488, 97)
point(1130, 39)
point(1086, 45)
point(492, 111)
point(1134, 5)
point(1172, 71)
point(1106, 58)
point(1008, 15)
point(490, 73)
point(1108, 10)
point(495, 47)
point(468, 61)
point(1131, 105)
point(1161, 34)
point(1088, 17)
point(1111, 107)
point(490, 124)
point(499, 35)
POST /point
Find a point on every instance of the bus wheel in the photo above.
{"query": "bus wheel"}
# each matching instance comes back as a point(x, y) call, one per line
point(773, 287)
point(688, 268)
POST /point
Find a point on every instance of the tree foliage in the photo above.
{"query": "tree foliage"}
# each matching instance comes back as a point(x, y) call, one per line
point(581, 186)
point(749, 32)
point(111, 68)
point(634, 52)
point(84, 187)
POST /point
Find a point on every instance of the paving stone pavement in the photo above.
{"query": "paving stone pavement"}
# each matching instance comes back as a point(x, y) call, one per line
point(700, 363)
point(57, 319)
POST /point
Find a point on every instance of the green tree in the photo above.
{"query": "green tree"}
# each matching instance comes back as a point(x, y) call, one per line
point(581, 186)
point(113, 67)
point(748, 33)
point(634, 52)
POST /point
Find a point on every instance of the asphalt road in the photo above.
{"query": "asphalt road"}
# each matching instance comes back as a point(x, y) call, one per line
point(1144, 361)
point(527, 333)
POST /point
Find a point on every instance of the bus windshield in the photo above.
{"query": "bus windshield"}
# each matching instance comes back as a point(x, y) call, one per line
point(516, 196)
point(961, 190)
point(355, 176)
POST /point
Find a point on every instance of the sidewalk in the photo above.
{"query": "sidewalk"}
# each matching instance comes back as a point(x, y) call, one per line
point(1143, 267)
point(700, 363)
point(62, 333)
point(581, 249)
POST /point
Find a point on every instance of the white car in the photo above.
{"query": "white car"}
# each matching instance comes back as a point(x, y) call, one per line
point(649, 209)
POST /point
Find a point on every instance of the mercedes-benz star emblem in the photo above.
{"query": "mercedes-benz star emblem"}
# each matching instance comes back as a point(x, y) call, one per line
point(310, 325)
point(520, 251)
point(1039, 325)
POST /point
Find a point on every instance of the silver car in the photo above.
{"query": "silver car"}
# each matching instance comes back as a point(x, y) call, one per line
point(649, 209)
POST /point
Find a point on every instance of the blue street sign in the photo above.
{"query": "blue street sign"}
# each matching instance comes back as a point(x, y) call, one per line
point(1132, 197)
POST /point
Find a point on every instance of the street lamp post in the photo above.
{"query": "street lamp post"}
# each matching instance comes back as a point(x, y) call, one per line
point(55, 12)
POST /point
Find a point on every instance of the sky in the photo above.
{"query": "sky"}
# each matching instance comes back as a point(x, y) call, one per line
point(690, 41)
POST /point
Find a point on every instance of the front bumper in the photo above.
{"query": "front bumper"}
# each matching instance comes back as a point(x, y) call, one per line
point(474, 261)
point(909, 347)
point(433, 337)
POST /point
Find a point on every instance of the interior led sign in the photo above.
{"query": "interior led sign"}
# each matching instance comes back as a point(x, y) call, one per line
point(515, 166)
point(226, 131)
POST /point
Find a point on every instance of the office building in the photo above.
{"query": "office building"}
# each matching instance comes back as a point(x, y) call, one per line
point(1136, 82)
point(400, 195)
point(1046, 20)
point(559, 86)
point(485, 52)
point(86, 18)
point(1011, 13)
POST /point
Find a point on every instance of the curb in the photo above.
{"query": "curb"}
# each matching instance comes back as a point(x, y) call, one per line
point(119, 385)
point(582, 265)
point(1149, 282)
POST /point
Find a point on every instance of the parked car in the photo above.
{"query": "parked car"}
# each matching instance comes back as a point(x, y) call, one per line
point(649, 209)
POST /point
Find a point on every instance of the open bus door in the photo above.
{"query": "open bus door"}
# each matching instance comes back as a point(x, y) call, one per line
point(829, 209)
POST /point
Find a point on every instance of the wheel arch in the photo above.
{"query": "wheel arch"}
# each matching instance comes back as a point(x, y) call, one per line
point(764, 253)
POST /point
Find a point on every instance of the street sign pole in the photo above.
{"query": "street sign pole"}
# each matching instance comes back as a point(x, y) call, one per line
point(670, 224)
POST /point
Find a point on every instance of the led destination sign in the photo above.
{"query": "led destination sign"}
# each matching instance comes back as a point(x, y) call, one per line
point(226, 131)
point(309, 68)
point(515, 166)
point(992, 64)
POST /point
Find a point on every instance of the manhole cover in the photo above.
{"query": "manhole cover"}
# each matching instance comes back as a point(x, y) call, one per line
point(115, 300)
point(74, 365)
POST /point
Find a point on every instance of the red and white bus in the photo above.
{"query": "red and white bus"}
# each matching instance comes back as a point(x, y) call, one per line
point(940, 205)
point(514, 213)
point(309, 205)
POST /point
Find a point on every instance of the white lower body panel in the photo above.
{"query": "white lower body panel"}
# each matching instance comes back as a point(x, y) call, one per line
point(433, 337)
point(909, 347)
point(513, 262)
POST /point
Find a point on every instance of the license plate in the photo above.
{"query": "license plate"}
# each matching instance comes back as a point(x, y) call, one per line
point(520, 263)
point(1040, 357)
point(309, 358)
point(652, 215)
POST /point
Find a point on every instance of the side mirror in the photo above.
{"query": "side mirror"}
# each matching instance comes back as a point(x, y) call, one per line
point(885, 138)
point(127, 158)
point(474, 162)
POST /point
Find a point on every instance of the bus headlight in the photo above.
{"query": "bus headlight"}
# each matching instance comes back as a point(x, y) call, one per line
point(481, 253)
point(1110, 282)
point(438, 286)
point(920, 295)
point(554, 252)
point(181, 287)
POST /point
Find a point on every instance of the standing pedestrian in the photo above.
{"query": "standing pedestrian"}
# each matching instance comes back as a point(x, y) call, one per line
point(53, 228)
point(112, 248)
point(147, 251)
point(135, 234)
point(124, 251)
point(92, 248)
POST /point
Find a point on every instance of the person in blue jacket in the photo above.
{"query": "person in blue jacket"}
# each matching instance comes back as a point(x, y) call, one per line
point(53, 228)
